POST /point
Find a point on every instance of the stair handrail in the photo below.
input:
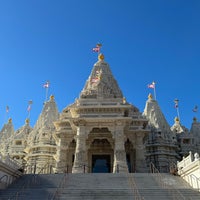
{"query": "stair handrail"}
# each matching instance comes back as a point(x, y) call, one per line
point(176, 194)
point(132, 183)
point(58, 189)
point(6, 181)
point(86, 168)
point(192, 176)
point(26, 184)
point(14, 175)
point(20, 191)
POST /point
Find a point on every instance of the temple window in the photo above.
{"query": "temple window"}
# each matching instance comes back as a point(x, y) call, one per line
point(126, 113)
point(18, 142)
point(186, 141)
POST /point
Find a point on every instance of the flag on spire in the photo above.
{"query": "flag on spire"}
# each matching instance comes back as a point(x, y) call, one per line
point(195, 109)
point(176, 106)
point(152, 85)
point(29, 105)
point(46, 85)
point(176, 103)
point(97, 48)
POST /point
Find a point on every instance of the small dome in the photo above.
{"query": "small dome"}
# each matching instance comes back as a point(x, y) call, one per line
point(150, 96)
point(194, 119)
point(176, 119)
point(101, 57)
point(52, 97)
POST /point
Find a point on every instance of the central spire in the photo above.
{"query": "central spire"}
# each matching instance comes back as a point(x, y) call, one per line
point(101, 83)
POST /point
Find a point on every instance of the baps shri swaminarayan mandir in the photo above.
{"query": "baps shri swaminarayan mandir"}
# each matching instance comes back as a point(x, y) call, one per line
point(99, 132)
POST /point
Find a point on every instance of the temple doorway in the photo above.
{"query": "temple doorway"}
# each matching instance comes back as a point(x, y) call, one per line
point(101, 164)
point(100, 155)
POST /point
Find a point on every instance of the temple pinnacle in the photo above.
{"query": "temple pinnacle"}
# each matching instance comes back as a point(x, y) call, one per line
point(100, 57)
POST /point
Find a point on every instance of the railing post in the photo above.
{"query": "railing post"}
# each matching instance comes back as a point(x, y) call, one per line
point(117, 168)
point(84, 168)
point(34, 170)
point(50, 169)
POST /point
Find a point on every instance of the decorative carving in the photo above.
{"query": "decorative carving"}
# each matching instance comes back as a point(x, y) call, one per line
point(79, 122)
point(120, 155)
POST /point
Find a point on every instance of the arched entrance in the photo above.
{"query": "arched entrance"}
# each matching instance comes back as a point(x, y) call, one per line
point(101, 163)
point(100, 156)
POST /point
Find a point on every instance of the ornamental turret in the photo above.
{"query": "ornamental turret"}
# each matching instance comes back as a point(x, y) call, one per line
point(101, 83)
point(41, 145)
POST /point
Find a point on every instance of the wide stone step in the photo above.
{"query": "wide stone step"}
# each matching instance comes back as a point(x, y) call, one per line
point(99, 186)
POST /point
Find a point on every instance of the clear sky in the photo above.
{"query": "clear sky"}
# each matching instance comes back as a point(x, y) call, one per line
point(143, 40)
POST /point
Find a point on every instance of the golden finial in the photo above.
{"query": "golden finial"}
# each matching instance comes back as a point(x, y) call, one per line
point(100, 57)
point(10, 120)
point(150, 96)
point(176, 119)
point(27, 121)
point(194, 119)
point(52, 97)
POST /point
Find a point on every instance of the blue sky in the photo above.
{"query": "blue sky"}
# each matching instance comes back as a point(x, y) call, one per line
point(142, 41)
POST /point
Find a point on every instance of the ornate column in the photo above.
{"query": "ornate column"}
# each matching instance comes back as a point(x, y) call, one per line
point(120, 164)
point(80, 160)
point(140, 158)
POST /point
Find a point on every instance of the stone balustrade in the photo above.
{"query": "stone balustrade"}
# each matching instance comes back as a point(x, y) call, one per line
point(189, 170)
point(9, 171)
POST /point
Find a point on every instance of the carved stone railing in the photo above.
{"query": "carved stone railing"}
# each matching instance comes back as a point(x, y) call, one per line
point(174, 193)
point(10, 162)
point(189, 169)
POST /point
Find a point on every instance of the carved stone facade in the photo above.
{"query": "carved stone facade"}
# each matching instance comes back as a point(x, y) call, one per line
point(99, 132)
point(99, 124)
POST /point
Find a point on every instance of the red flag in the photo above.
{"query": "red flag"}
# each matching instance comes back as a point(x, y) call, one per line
point(195, 109)
point(176, 103)
point(29, 105)
point(96, 49)
point(46, 85)
point(152, 85)
point(29, 108)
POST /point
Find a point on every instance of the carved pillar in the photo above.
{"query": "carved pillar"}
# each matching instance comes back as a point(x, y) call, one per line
point(120, 164)
point(140, 158)
point(80, 160)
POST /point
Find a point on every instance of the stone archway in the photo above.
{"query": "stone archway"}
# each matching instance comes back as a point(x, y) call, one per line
point(100, 151)
point(100, 156)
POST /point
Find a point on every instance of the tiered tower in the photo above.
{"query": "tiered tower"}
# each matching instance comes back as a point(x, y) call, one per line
point(161, 146)
point(101, 130)
point(41, 145)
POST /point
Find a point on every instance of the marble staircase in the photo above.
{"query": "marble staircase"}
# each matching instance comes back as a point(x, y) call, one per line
point(105, 186)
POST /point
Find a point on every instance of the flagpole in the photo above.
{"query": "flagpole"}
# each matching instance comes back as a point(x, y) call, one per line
point(153, 86)
point(177, 109)
point(6, 114)
point(29, 108)
point(195, 109)
point(46, 86)
point(46, 94)
point(154, 89)
point(99, 45)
